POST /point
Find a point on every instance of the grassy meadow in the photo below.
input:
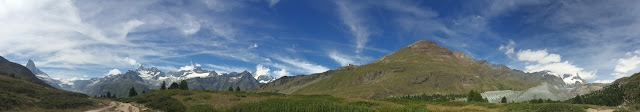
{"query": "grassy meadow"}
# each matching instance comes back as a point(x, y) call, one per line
point(212, 101)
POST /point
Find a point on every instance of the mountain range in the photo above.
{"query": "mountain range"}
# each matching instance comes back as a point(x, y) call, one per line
point(147, 79)
point(424, 67)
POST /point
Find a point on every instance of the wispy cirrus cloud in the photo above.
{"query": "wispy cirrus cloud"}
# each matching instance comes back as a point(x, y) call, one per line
point(349, 13)
point(98, 36)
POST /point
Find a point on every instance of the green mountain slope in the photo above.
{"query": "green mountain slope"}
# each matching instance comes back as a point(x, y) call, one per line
point(422, 67)
point(623, 92)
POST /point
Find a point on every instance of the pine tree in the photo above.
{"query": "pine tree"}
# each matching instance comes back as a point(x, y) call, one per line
point(183, 85)
point(504, 99)
point(174, 85)
point(475, 96)
point(132, 92)
point(163, 86)
point(230, 88)
point(143, 92)
point(578, 100)
point(237, 88)
point(108, 94)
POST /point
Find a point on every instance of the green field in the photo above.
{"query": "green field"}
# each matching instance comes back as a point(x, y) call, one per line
point(207, 101)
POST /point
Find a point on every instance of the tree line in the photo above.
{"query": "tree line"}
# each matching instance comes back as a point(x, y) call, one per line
point(182, 86)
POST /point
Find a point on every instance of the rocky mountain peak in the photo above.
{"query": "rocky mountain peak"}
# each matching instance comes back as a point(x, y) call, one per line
point(30, 64)
point(429, 47)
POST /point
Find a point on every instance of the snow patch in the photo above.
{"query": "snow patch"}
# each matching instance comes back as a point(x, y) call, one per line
point(189, 75)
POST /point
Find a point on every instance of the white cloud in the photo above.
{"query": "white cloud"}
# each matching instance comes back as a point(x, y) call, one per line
point(603, 81)
point(261, 70)
point(301, 65)
point(113, 72)
point(349, 16)
point(541, 60)
point(509, 48)
point(540, 56)
point(626, 66)
point(89, 35)
point(131, 61)
point(281, 73)
point(561, 68)
point(187, 68)
point(68, 81)
point(226, 68)
point(343, 60)
point(273, 2)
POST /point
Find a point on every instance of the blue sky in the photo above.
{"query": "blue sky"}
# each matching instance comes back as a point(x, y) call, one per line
point(82, 39)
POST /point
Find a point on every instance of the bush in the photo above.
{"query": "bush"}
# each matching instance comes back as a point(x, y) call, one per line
point(160, 100)
point(297, 105)
point(363, 103)
point(62, 102)
point(169, 105)
point(409, 108)
point(7, 102)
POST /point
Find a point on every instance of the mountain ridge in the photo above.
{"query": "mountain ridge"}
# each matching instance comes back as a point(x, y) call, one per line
point(422, 67)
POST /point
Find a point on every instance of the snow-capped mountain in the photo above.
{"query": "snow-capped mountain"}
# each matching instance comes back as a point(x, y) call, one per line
point(41, 75)
point(151, 78)
point(569, 79)
point(264, 78)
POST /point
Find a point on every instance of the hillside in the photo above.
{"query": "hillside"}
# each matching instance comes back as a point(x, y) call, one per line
point(21, 95)
point(12, 69)
point(422, 67)
point(623, 92)
point(23, 91)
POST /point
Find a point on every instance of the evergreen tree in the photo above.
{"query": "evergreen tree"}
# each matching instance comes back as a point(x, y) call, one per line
point(108, 94)
point(183, 85)
point(237, 88)
point(163, 86)
point(504, 99)
point(230, 88)
point(475, 96)
point(174, 85)
point(114, 96)
point(132, 92)
point(577, 100)
point(143, 92)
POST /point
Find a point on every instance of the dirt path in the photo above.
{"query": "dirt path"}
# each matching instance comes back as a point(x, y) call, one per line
point(111, 105)
point(594, 110)
point(120, 107)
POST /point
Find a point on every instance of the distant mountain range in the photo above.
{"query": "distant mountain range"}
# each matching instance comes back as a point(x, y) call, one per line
point(426, 68)
point(147, 79)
